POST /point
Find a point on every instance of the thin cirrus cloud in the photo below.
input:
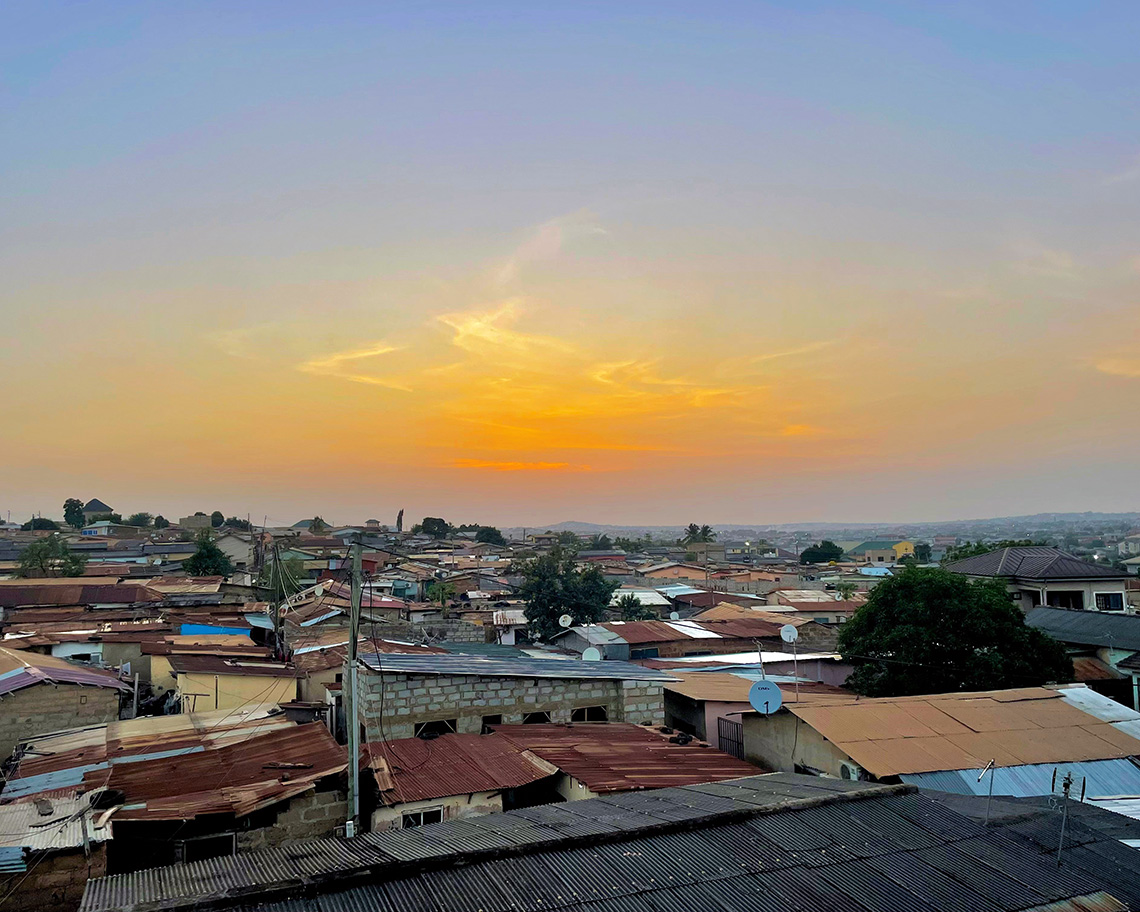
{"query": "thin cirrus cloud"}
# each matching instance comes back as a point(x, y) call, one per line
point(340, 365)
point(507, 466)
point(1120, 367)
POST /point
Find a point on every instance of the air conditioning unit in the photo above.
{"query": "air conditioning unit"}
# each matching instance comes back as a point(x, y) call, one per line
point(850, 771)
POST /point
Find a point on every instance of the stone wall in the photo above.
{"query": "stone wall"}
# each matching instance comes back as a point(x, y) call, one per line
point(452, 630)
point(50, 707)
point(54, 882)
point(391, 704)
point(313, 815)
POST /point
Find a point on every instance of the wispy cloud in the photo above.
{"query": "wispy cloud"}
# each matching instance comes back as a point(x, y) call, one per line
point(1127, 176)
point(794, 352)
point(1120, 367)
point(482, 330)
point(545, 243)
point(339, 365)
point(518, 466)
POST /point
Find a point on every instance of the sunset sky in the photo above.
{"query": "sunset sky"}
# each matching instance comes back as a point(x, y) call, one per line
point(518, 263)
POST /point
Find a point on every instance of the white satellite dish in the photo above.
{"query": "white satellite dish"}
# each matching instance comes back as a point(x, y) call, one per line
point(592, 654)
point(789, 634)
point(319, 591)
point(765, 697)
point(674, 615)
point(565, 621)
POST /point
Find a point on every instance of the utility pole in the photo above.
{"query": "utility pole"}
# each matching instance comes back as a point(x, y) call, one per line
point(350, 695)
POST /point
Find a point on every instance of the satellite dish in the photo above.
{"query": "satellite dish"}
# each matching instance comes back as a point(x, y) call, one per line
point(319, 591)
point(674, 615)
point(565, 621)
point(789, 634)
point(592, 654)
point(765, 697)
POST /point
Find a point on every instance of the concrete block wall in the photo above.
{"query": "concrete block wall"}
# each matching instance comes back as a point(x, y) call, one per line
point(313, 815)
point(50, 707)
point(56, 882)
point(392, 704)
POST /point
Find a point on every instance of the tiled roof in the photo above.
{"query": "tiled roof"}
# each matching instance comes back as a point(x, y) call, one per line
point(412, 769)
point(1031, 562)
point(759, 844)
point(1087, 628)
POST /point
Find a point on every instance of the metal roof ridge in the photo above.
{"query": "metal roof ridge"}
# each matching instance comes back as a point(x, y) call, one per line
point(384, 866)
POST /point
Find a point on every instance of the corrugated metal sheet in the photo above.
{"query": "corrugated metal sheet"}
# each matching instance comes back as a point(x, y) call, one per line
point(1102, 778)
point(513, 668)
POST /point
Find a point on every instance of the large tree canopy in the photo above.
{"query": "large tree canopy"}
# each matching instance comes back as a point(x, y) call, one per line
point(553, 585)
point(208, 559)
point(50, 557)
point(931, 631)
point(822, 553)
point(490, 535)
point(73, 513)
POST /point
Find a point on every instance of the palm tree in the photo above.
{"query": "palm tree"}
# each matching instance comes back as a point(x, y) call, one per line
point(695, 533)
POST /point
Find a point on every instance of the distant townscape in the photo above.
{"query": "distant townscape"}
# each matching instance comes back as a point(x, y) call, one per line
point(204, 712)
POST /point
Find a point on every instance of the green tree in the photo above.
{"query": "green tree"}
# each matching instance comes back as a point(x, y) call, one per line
point(40, 524)
point(632, 610)
point(601, 542)
point(73, 513)
point(928, 630)
point(922, 552)
point(142, 520)
point(208, 559)
point(553, 585)
point(317, 526)
point(161, 522)
point(846, 590)
point(968, 549)
point(629, 545)
point(568, 539)
point(50, 557)
point(822, 553)
point(441, 591)
point(217, 518)
point(435, 527)
point(695, 534)
point(490, 535)
point(116, 518)
point(236, 522)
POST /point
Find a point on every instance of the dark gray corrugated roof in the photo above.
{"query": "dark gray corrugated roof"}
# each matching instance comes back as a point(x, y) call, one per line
point(513, 668)
point(1032, 562)
point(1087, 628)
point(765, 843)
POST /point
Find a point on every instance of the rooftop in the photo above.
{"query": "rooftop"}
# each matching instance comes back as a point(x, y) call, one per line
point(1087, 628)
point(767, 843)
point(890, 736)
point(414, 769)
point(619, 757)
point(1031, 562)
point(511, 668)
point(19, 669)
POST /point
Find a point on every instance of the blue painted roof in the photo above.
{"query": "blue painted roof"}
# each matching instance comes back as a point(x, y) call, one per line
point(1103, 778)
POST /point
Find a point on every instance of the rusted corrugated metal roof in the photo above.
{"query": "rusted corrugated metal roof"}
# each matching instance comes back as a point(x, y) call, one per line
point(178, 779)
point(20, 669)
point(618, 757)
point(218, 665)
point(33, 595)
point(412, 769)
